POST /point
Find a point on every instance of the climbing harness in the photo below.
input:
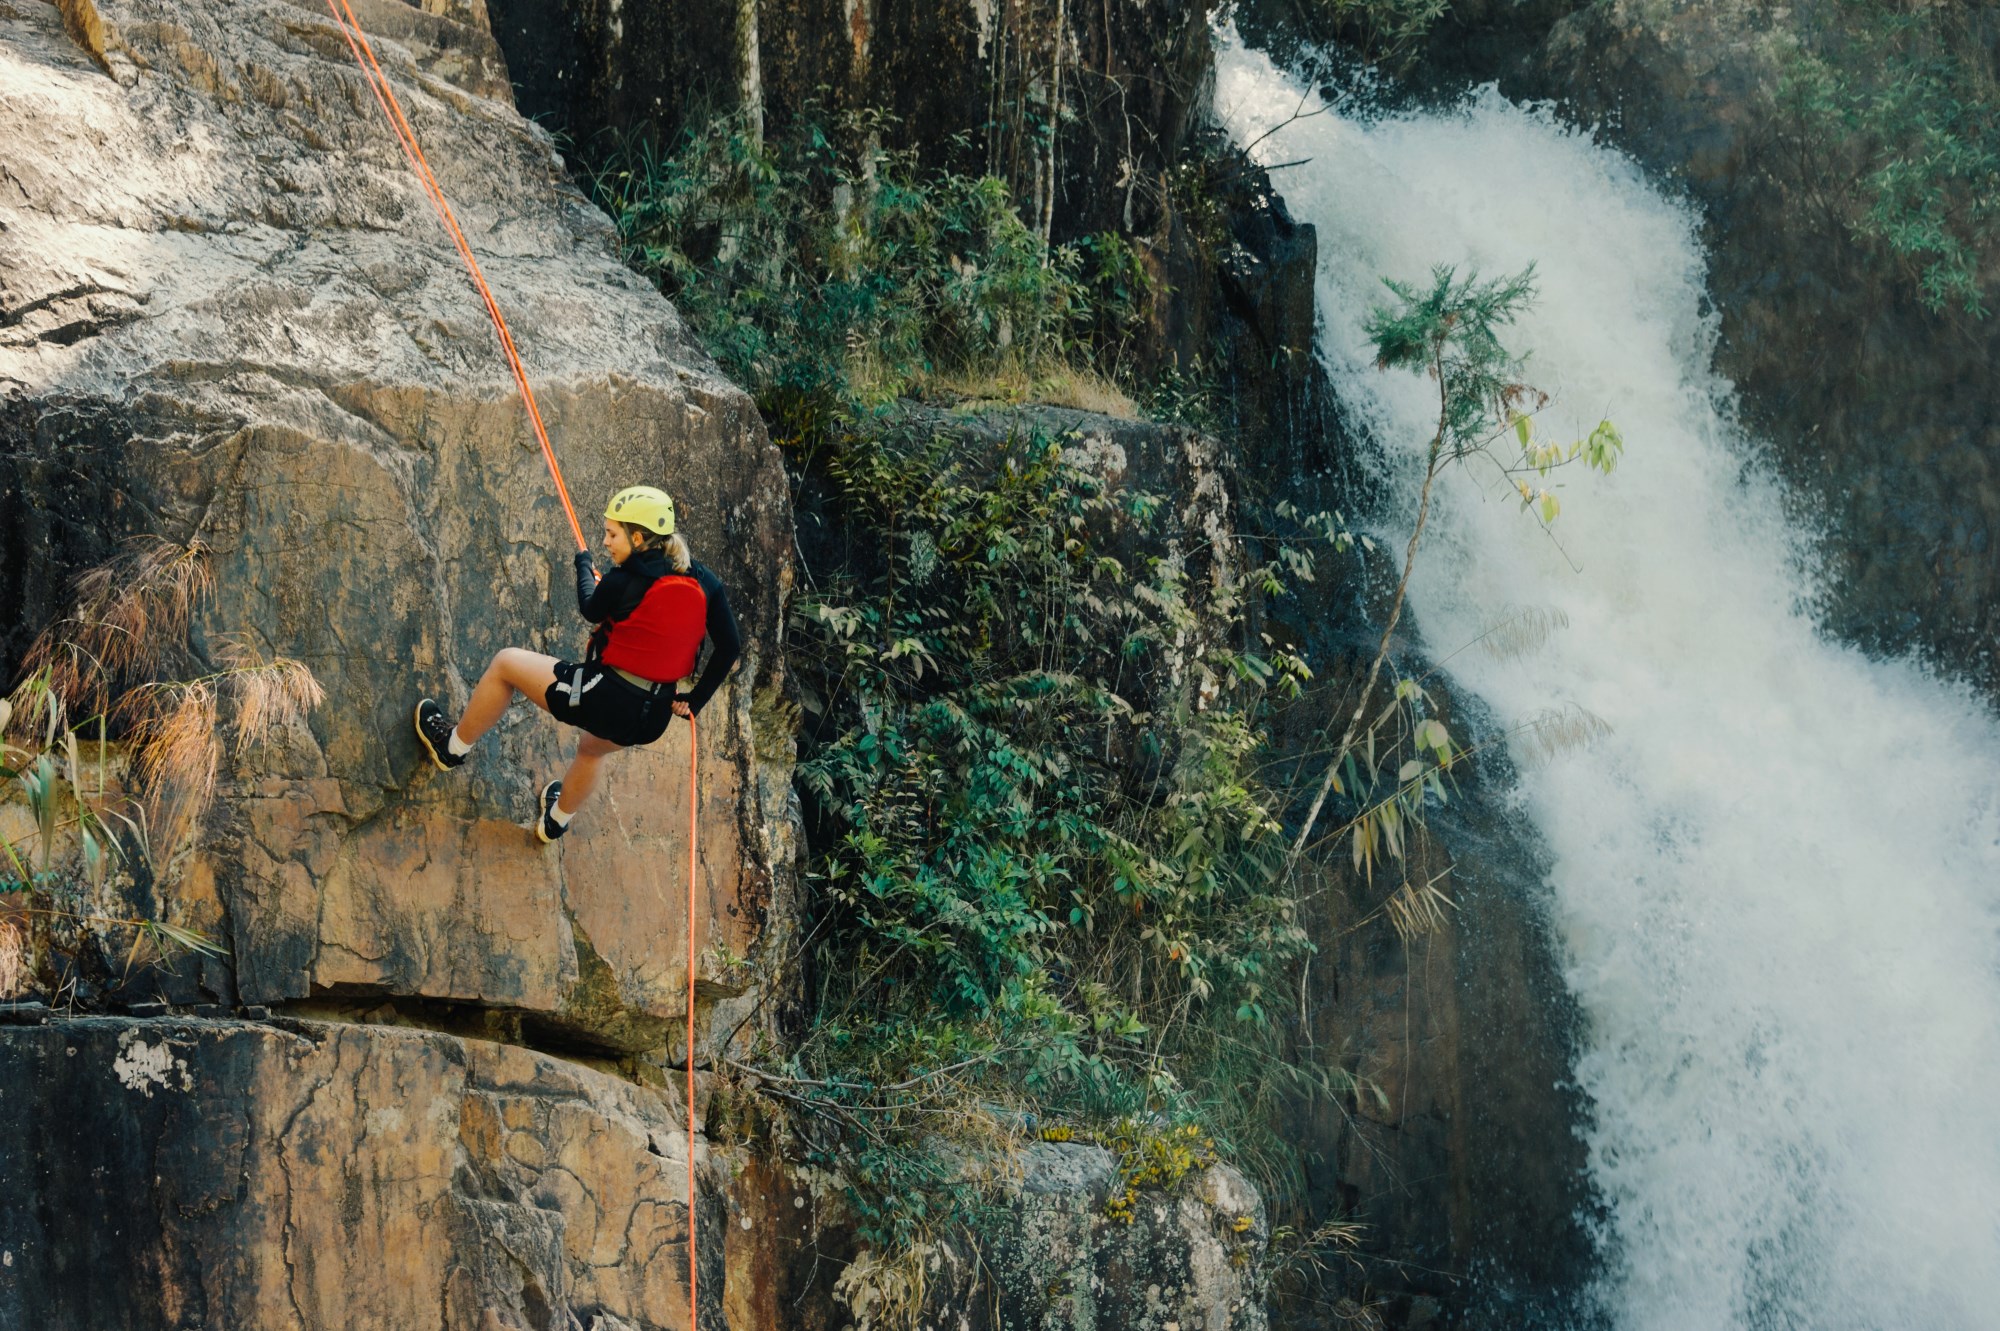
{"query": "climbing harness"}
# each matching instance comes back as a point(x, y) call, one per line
point(392, 110)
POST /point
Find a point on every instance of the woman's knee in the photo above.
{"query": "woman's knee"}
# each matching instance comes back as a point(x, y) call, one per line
point(511, 664)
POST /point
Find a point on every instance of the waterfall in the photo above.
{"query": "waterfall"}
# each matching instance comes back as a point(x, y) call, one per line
point(1774, 881)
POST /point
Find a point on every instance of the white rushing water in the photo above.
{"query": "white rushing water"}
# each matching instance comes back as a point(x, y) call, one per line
point(1775, 880)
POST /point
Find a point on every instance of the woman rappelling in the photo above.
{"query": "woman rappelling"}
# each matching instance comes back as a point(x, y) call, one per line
point(652, 612)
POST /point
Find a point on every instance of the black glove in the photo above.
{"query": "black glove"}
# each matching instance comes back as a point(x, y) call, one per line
point(586, 581)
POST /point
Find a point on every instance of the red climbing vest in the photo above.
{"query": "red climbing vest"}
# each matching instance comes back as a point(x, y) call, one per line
point(661, 638)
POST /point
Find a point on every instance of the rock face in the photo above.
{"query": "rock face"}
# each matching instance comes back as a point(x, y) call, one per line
point(1185, 1258)
point(228, 316)
point(180, 1174)
point(1458, 1151)
point(224, 1174)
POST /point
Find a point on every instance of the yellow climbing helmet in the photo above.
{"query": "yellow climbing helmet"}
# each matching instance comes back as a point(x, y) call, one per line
point(643, 506)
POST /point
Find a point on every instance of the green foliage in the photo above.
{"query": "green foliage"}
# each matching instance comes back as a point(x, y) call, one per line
point(820, 277)
point(1048, 870)
point(1117, 286)
point(1908, 88)
point(1191, 396)
point(1048, 875)
point(1449, 330)
point(1153, 1158)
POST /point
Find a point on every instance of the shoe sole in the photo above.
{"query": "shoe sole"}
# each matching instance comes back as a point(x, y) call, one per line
point(417, 720)
point(542, 817)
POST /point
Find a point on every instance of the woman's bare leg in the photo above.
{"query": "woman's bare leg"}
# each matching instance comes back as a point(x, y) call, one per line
point(581, 778)
point(512, 670)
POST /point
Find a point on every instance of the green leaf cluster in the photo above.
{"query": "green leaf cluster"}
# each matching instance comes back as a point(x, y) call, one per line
point(1449, 328)
point(822, 275)
point(1906, 90)
point(1044, 854)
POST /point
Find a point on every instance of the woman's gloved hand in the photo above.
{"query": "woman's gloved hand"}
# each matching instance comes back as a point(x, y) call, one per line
point(586, 580)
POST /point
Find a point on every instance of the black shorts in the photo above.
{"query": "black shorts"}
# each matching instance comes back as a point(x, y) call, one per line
point(592, 696)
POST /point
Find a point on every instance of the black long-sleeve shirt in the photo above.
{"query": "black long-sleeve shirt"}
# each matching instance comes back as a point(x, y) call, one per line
point(604, 601)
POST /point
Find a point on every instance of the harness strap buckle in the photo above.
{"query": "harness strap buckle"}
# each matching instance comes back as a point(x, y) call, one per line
point(639, 681)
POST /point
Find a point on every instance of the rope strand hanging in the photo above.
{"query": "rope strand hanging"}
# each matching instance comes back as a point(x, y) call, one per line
point(694, 751)
point(406, 138)
point(392, 110)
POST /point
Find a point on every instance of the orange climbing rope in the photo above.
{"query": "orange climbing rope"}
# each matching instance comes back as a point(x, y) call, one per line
point(385, 96)
point(392, 110)
point(694, 749)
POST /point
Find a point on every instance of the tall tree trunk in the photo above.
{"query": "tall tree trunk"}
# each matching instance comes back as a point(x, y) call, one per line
point(749, 68)
point(1045, 224)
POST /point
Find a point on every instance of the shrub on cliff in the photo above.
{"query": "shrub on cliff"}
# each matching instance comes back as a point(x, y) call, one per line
point(1047, 861)
point(822, 277)
point(1900, 105)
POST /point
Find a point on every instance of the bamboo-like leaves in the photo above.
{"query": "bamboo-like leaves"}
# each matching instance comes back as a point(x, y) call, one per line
point(1561, 730)
point(1518, 631)
point(1417, 909)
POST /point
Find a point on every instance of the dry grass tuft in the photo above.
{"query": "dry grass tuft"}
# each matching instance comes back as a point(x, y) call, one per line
point(13, 961)
point(1085, 390)
point(176, 755)
point(129, 614)
point(176, 730)
point(270, 693)
point(98, 670)
point(1293, 1255)
point(1068, 386)
point(885, 1293)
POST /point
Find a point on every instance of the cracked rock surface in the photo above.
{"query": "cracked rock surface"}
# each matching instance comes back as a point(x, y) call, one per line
point(227, 315)
point(226, 1174)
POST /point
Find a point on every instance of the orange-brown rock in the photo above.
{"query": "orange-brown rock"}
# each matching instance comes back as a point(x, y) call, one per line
point(225, 1174)
point(227, 315)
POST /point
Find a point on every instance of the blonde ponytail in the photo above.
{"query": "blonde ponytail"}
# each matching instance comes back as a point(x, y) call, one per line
point(675, 546)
